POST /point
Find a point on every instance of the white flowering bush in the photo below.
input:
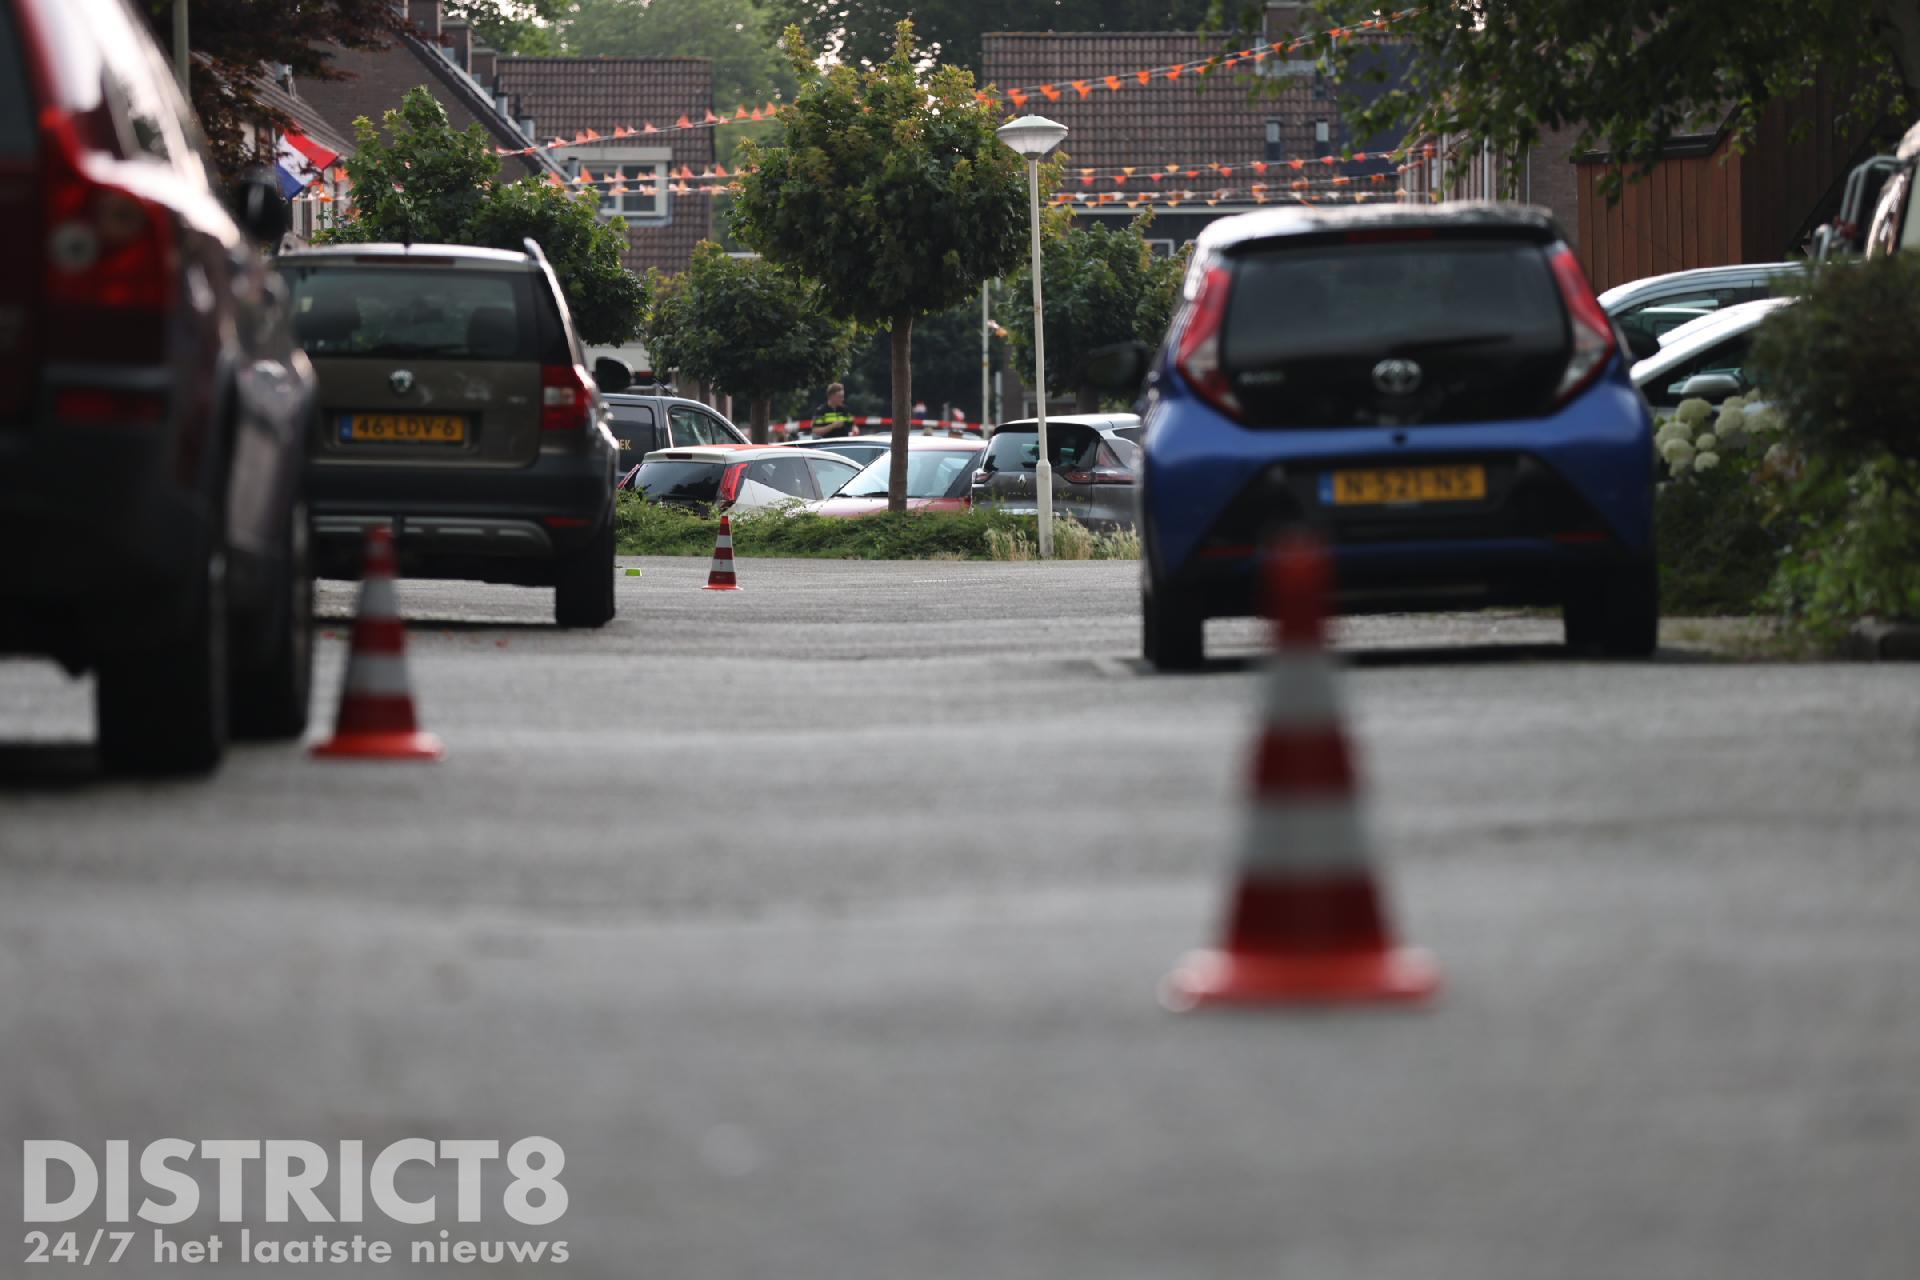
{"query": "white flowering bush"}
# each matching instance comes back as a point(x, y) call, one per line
point(1716, 502)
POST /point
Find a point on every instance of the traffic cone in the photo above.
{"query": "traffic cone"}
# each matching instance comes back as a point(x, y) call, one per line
point(1307, 925)
point(721, 578)
point(376, 720)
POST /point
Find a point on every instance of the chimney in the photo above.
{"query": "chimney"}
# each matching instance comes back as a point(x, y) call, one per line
point(425, 16)
point(485, 67)
point(524, 118)
point(457, 37)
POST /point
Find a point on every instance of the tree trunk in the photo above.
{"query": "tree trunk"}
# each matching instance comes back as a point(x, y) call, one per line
point(762, 414)
point(902, 411)
point(1087, 400)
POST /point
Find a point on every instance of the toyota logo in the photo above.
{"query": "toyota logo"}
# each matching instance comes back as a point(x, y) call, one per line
point(1397, 377)
point(401, 380)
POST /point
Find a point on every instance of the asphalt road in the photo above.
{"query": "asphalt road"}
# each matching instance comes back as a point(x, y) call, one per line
point(821, 924)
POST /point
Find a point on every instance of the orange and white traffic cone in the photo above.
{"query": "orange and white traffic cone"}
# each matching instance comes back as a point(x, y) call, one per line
point(720, 577)
point(376, 720)
point(1306, 925)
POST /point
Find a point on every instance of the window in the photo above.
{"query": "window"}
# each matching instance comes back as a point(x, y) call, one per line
point(388, 312)
point(723, 433)
point(691, 427)
point(1729, 357)
point(632, 181)
point(830, 474)
point(787, 474)
point(1276, 145)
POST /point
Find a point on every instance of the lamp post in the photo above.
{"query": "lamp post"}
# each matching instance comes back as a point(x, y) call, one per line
point(1033, 137)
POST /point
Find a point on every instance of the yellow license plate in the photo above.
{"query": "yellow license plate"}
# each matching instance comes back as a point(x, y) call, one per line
point(405, 428)
point(1407, 484)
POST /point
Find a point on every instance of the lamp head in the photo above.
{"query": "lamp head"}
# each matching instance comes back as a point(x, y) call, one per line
point(1032, 136)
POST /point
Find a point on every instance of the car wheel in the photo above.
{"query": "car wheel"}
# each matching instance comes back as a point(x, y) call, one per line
point(1172, 631)
point(583, 596)
point(162, 709)
point(271, 692)
point(1616, 614)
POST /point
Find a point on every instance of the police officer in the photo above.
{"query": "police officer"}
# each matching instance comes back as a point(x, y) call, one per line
point(832, 419)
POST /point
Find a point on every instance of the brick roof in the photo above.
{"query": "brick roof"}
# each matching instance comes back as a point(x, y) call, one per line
point(567, 95)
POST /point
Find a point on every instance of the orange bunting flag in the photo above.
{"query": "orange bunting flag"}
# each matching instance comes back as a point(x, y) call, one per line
point(1053, 94)
point(756, 115)
point(617, 189)
point(711, 118)
point(681, 189)
point(554, 180)
point(1296, 164)
point(1342, 180)
point(649, 127)
point(1360, 157)
point(1260, 167)
point(1144, 77)
point(1379, 178)
point(621, 131)
point(1329, 161)
point(1173, 72)
point(739, 113)
point(683, 123)
point(1259, 55)
point(1119, 179)
point(1225, 170)
point(1338, 33)
point(1082, 88)
point(1300, 184)
point(1113, 83)
point(1018, 97)
point(586, 174)
point(719, 170)
point(555, 142)
point(1173, 168)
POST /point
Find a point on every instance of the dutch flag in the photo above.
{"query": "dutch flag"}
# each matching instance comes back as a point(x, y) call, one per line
point(302, 162)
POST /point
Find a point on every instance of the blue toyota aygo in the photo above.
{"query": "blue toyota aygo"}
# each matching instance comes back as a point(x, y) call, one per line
point(1435, 392)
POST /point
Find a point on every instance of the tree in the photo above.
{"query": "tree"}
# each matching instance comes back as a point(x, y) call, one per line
point(946, 362)
point(855, 31)
point(1629, 74)
point(747, 67)
point(233, 39)
point(426, 182)
point(1102, 285)
point(746, 325)
point(893, 192)
point(527, 27)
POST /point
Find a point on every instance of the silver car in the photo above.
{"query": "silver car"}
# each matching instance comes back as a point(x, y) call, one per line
point(1094, 456)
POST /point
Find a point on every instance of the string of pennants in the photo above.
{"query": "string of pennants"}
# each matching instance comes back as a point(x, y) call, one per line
point(1085, 88)
point(620, 132)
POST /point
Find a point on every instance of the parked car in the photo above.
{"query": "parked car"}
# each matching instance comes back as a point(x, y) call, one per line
point(724, 479)
point(860, 449)
point(153, 407)
point(457, 408)
point(1435, 390)
point(1707, 359)
point(939, 478)
point(1093, 465)
point(1876, 206)
point(645, 422)
point(1703, 289)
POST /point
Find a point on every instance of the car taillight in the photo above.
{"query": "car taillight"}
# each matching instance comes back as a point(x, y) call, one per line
point(1099, 475)
point(1198, 356)
point(566, 398)
point(1593, 343)
point(110, 260)
point(730, 482)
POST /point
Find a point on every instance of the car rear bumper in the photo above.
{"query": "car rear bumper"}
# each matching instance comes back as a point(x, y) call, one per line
point(101, 540)
point(505, 525)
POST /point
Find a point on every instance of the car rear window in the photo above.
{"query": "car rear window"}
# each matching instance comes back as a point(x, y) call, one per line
point(1069, 444)
point(426, 313)
point(1307, 327)
point(685, 481)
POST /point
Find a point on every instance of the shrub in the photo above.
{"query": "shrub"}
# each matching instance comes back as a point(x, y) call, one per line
point(1716, 509)
point(1855, 548)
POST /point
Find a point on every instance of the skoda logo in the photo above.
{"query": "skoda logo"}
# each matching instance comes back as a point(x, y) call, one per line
point(1397, 377)
point(401, 380)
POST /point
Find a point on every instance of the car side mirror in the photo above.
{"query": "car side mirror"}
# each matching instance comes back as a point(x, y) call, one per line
point(259, 208)
point(1641, 344)
point(1119, 368)
point(612, 375)
point(1711, 387)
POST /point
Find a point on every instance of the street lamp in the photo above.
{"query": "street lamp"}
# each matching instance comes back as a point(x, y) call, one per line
point(1033, 137)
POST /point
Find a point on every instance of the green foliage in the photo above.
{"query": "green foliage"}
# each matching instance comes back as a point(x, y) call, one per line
point(946, 363)
point(1102, 285)
point(652, 529)
point(1627, 74)
point(747, 66)
point(890, 189)
point(1856, 547)
point(855, 31)
point(1839, 363)
point(422, 181)
point(743, 323)
point(526, 27)
point(1719, 515)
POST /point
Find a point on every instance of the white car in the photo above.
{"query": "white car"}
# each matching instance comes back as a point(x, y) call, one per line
point(734, 479)
point(1706, 358)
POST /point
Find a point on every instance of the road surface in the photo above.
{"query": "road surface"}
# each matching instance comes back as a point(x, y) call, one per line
point(820, 924)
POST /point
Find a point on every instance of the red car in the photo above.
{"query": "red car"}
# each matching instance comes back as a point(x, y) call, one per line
point(939, 478)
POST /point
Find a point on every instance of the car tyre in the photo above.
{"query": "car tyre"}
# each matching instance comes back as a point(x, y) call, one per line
point(272, 693)
point(162, 709)
point(1172, 631)
point(583, 596)
point(1617, 614)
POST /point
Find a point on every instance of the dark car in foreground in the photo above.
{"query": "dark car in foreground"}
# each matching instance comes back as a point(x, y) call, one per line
point(152, 406)
point(456, 407)
point(1435, 391)
point(1093, 461)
